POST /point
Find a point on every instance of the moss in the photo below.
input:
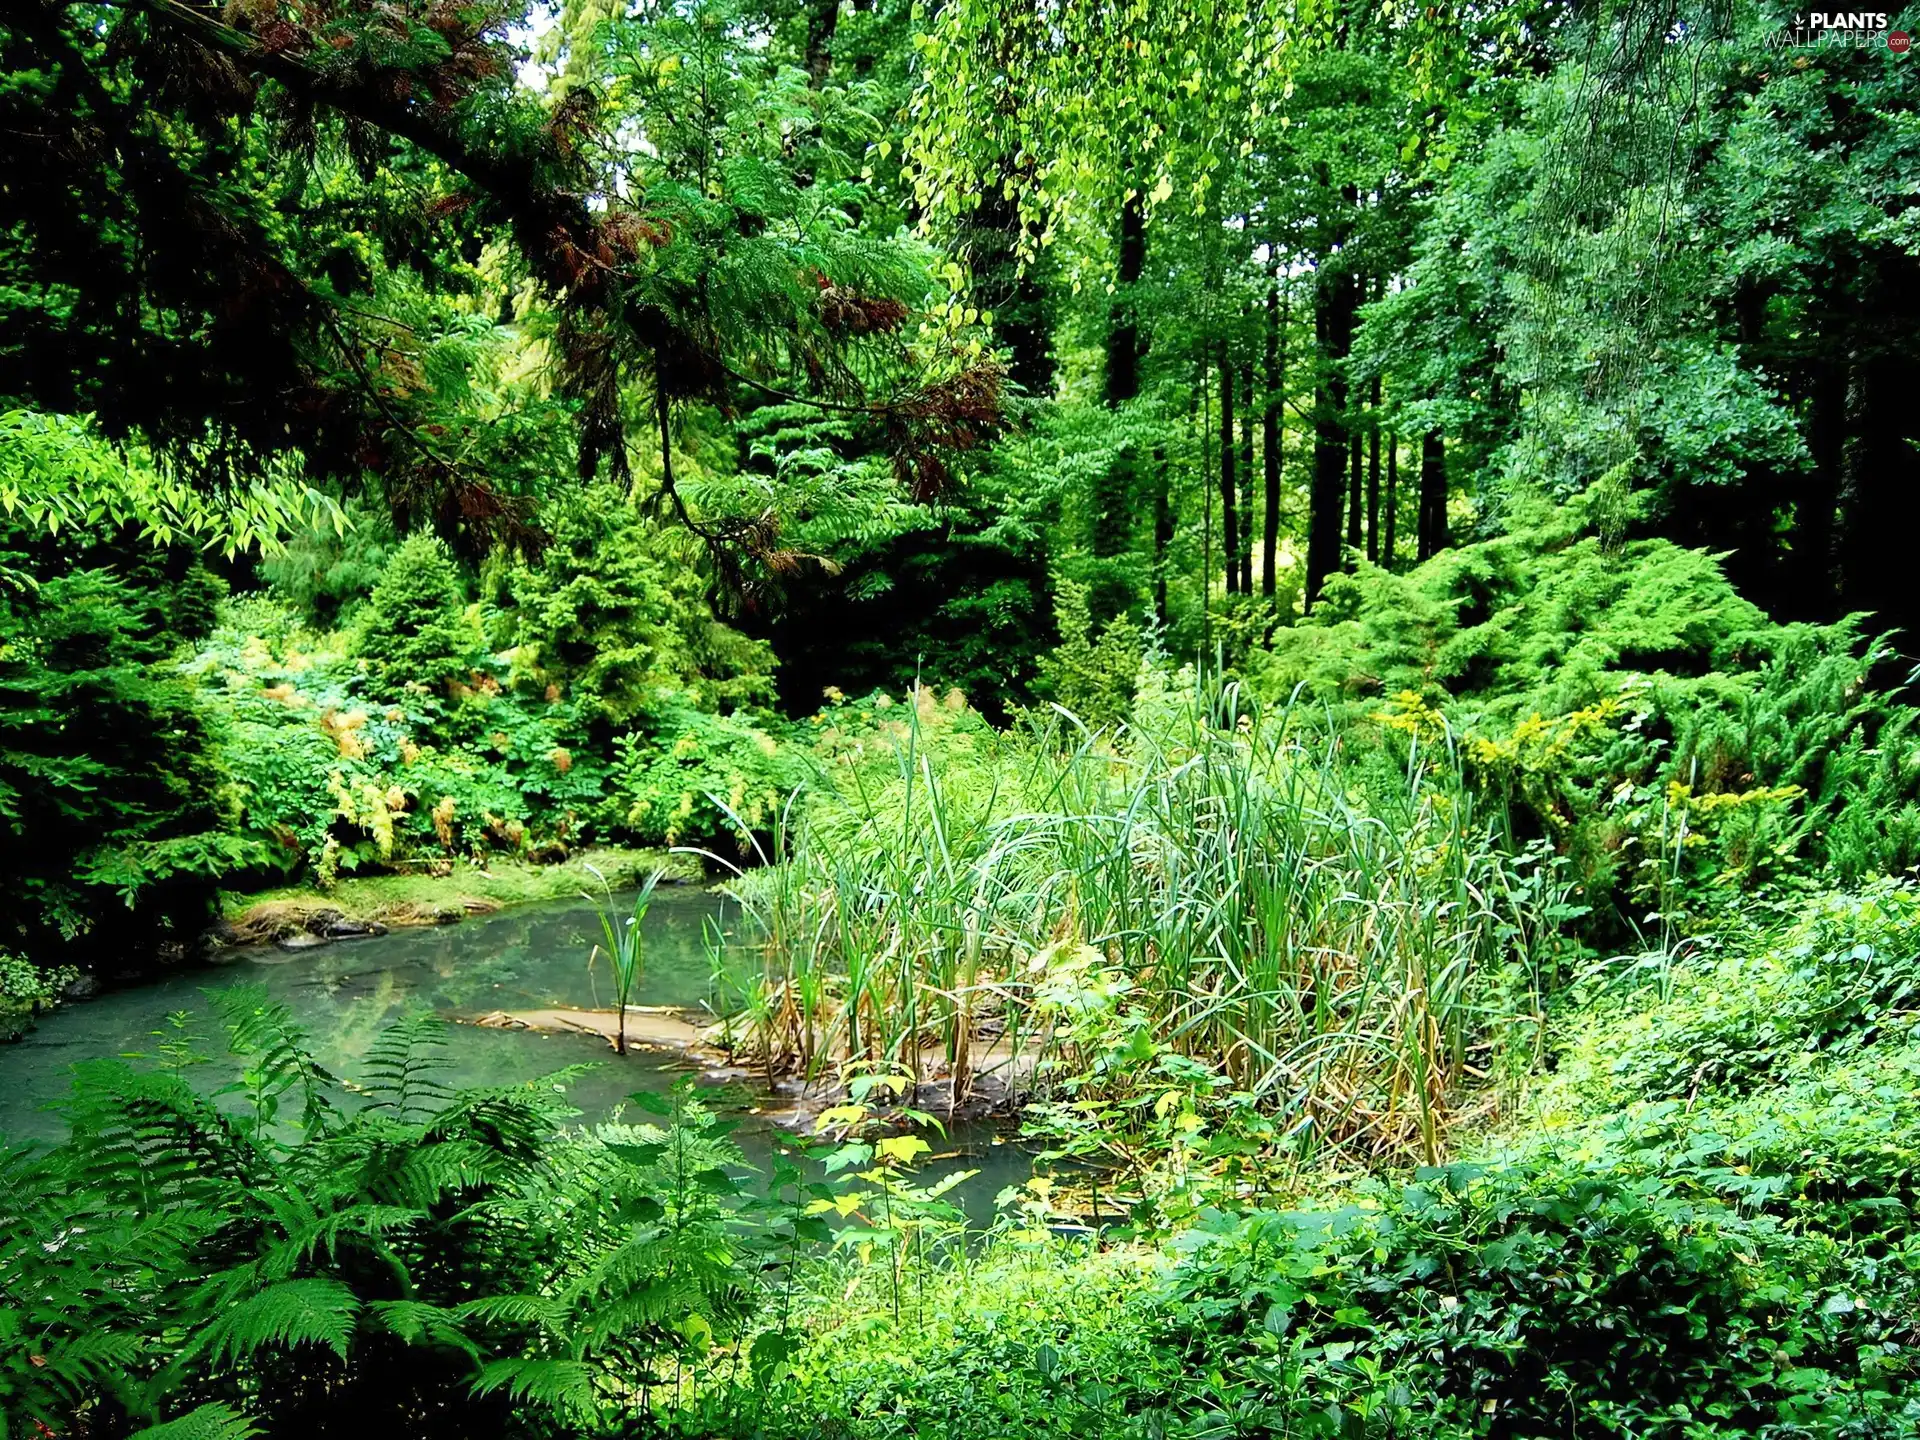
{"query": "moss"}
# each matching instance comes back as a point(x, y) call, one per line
point(424, 896)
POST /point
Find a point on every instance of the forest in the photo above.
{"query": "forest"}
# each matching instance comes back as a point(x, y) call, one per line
point(1189, 719)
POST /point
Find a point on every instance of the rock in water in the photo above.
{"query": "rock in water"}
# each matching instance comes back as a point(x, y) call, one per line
point(321, 922)
point(354, 929)
point(81, 987)
point(301, 941)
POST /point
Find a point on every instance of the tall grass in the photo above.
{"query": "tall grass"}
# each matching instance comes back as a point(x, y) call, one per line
point(1342, 951)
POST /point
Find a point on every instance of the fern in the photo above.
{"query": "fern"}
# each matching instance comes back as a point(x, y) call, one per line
point(565, 1387)
point(209, 1422)
point(379, 1266)
point(264, 1032)
point(402, 1064)
point(294, 1312)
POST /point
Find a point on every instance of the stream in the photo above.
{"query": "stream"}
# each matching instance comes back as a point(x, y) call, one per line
point(525, 958)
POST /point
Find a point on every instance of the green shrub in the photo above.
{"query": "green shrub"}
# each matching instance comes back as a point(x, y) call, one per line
point(414, 629)
point(688, 777)
point(335, 779)
point(1551, 1297)
point(410, 1261)
point(1092, 676)
point(608, 619)
point(1628, 706)
point(1764, 1010)
point(26, 990)
point(113, 820)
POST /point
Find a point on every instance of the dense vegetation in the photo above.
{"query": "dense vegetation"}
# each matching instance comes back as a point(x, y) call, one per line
point(1304, 603)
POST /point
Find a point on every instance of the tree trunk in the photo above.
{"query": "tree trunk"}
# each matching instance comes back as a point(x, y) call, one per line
point(823, 18)
point(1433, 495)
point(1162, 529)
point(1124, 347)
point(1335, 300)
point(1373, 472)
point(1113, 498)
point(1272, 437)
point(1012, 292)
point(1393, 501)
point(1229, 518)
point(1356, 517)
point(1880, 459)
point(1247, 419)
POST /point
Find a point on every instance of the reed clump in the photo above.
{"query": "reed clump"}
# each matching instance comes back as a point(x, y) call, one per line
point(1341, 944)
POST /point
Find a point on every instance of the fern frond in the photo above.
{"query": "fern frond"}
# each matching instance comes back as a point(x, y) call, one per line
point(562, 1386)
point(414, 1322)
point(294, 1312)
point(209, 1422)
point(514, 1310)
point(402, 1064)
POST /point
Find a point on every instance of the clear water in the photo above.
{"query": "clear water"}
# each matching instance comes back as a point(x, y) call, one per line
point(528, 957)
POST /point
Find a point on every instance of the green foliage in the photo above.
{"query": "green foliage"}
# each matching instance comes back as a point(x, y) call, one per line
point(1762, 1010)
point(1092, 678)
point(400, 738)
point(414, 630)
point(1523, 1300)
point(625, 947)
point(607, 618)
point(112, 817)
point(1736, 1260)
point(1628, 705)
point(1183, 882)
point(689, 777)
point(26, 990)
point(57, 474)
point(422, 1261)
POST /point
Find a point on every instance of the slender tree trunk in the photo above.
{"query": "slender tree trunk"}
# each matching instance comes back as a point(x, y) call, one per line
point(1388, 547)
point(1335, 299)
point(1114, 500)
point(1272, 438)
point(1373, 472)
point(1433, 494)
point(1206, 509)
point(1012, 291)
point(1356, 516)
point(1229, 515)
point(1162, 528)
point(1247, 419)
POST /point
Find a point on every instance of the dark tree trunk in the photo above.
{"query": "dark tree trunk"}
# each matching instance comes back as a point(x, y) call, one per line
point(1356, 517)
point(823, 18)
point(1811, 590)
point(1373, 472)
point(1124, 347)
point(1113, 500)
point(1247, 419)
point(1013, 293)
point(1388, 546)
point(1880, 458)
point(1433, 495)
point(1272, 439)
point(1336, 297)
point(1206, 506)
point(1229, 518)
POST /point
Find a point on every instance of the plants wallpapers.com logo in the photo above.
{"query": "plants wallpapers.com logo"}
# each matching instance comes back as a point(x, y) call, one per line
point(1855, 29)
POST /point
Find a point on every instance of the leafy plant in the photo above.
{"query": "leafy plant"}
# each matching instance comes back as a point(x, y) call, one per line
point(425, 1260)
point(625, 942)
point(414, 630)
